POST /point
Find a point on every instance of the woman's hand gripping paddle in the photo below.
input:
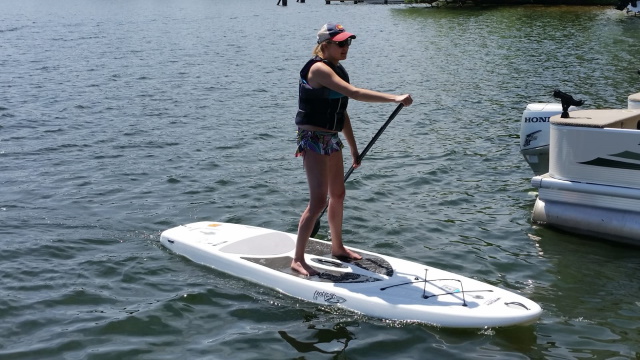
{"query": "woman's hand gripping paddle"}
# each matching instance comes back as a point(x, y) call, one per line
point(360, 157)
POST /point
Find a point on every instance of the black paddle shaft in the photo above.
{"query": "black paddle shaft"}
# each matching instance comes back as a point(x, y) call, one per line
point(373, 140)
point(360, 157)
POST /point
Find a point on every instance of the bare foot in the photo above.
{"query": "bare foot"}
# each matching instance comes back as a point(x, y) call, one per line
point(303, 268)
point(347, 254)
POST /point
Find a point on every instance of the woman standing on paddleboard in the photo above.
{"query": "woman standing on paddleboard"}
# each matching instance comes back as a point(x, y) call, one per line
point(322, 112)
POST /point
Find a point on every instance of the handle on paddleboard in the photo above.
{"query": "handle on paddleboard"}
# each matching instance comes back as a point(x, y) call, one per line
point(360, 157)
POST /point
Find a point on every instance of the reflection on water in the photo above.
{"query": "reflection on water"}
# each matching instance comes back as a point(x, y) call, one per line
point(326, 341)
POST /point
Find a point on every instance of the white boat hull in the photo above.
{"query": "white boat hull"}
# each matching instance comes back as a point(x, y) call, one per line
point(593, 184)
point(535, 131)
point(633, 10)
point(601, 211)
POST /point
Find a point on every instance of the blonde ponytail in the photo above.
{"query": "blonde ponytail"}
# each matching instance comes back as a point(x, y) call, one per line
point(317, 51)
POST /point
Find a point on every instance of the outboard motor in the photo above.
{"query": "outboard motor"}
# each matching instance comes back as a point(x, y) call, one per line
point(534, 132)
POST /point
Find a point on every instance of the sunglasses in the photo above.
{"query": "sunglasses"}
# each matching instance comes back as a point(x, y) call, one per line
point(342, 43)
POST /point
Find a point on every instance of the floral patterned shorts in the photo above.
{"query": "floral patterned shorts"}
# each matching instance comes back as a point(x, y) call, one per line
point(321, 142)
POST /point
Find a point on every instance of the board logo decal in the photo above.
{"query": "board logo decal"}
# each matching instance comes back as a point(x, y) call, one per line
point(328, 297)
point(491, 301)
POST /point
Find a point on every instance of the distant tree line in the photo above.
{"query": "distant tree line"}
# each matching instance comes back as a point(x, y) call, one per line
point(620, 4)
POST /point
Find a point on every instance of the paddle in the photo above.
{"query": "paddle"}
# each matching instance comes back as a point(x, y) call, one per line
point(360, 157)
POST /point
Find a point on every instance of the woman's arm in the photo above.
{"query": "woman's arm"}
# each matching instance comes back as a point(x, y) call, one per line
point(321, 74)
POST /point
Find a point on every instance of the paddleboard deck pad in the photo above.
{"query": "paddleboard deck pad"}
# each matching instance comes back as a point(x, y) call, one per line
point(377, 285)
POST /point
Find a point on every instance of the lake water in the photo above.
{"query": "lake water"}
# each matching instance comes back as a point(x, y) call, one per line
point(120, 119)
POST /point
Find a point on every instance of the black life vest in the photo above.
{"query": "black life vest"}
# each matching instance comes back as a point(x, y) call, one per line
point(321, 107)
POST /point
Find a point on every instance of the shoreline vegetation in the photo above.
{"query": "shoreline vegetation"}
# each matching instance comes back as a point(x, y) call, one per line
point(613, 3)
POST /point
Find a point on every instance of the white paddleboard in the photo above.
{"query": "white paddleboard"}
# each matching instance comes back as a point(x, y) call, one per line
point(378, 285)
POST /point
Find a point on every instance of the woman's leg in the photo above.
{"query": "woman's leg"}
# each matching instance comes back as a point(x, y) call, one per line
point(335, 211)
point(316, 167)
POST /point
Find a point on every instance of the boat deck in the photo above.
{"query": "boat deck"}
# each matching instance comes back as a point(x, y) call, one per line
point(601, 118)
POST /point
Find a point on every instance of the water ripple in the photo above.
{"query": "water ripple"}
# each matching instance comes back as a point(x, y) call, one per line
point(122, 120)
